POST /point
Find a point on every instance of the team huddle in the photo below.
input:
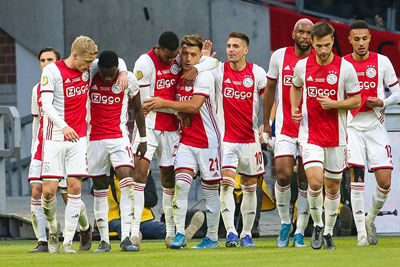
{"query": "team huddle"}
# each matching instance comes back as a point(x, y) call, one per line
point(200, 117)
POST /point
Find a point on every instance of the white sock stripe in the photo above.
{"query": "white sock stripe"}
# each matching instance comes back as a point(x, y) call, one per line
point(168, 192)
point(313, 193)
point(209, 186)
point(332, 197)
point(184, 179)
point(282, 188)
point(249, 188)
point(383, 191)
point(100, 193)
point(357, 187)
point(36, 202)
point(74, 196)
point(48, 200)
point(138, 188)
point(126, 182)
point(228, 182)
point(302, 193)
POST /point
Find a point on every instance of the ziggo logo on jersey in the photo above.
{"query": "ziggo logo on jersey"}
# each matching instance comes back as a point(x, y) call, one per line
point(103, 99)
point(161, 84)
point(180, 97)
point(73, 91)
point(313, 91)
point(232, 93)
point(366, 85)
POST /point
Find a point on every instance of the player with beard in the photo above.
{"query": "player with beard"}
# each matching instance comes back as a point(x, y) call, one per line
point(368, 141)
point(286, 152)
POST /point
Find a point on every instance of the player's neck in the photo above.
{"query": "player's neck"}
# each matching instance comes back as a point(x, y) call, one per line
point(325, 62)
point(301, 53)
point(238, 65)
point(69, 63)
point(357, 57)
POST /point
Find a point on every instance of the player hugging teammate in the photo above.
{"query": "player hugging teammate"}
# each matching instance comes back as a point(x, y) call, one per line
point(199, 116)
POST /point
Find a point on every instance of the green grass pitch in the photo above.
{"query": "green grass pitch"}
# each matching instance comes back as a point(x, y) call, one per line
point(154, 253)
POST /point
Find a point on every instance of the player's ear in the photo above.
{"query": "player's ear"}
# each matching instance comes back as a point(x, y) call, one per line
point(293, 34)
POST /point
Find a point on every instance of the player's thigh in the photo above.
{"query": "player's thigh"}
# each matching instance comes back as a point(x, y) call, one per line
point(356, 150)
point(167, 147)
point(313, 162)
point(335, 162)
point(379, 151)
point(53, 160)
point(76, 162)
point(186, 159)
point(251, 160)
point(98, 159)
point(209, 160)
point(285, 146)
point(230, 157)
point(35, 168)
point(121, 155)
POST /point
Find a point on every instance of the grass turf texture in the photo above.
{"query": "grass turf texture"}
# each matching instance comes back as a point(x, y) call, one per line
point(154, 253)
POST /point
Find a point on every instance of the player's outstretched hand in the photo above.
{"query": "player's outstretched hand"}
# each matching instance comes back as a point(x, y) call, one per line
point(141, 150)
point(373, 102)
point(122, 80)
point(190, 76)
point(326, 102)
point(184, 119)
point(70, 134)
point(153, 103)
point(296, 115)
point(207, 47)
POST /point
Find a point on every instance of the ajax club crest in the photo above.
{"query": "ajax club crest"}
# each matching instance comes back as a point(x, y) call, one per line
point(370, 72)
point(116, 89)
point(85, 76)
point(331, 78)
point(248, 82)
point(174, 69)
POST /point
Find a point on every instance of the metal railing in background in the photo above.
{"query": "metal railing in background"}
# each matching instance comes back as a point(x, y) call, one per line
point(10, 144)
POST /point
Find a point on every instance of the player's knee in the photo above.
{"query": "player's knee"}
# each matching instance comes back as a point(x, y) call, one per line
point(36, 190)
point(169, 182)
point(74, 188)
point(100, 183)
point(358, 174)
point(303, 185)
point(48, 194)
point(315, 185)
point(384, 184)
point(283, 177)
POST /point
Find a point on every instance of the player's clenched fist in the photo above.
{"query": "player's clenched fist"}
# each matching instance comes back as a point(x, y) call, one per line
point(296, 115)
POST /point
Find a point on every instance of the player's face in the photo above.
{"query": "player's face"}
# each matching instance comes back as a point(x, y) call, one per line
point(236, 49)
point(359, 39)
point(108, 74)
point(47, 58)
point(323, 46)
point(190, 56)
point(167, 56)
point(302, 36)
point(83, 62)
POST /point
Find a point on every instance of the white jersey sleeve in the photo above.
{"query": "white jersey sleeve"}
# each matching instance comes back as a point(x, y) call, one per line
point(133, 85)
point(260, 78)
point(350, 78)
point(391, 80)
point(203, 84)
point(206, 63)
point(34, 105)
point(143, 72)
point(299, 73)
point(273, 69)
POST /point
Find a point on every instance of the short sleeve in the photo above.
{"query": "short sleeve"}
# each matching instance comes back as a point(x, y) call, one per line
point(390, 78)
point(142, 71)
point(260, 78)
point(299, 69)
point(203, 84)
point(48, 79)
point(273, 69)
point(351, 80)
point(133, 85)
point(34, 106)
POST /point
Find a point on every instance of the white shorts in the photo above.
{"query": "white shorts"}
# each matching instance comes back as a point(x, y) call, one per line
point(286, 146)
point(246, 158)
point(35, 168)
point(64, 157)
point(63, 184)
point(369, 147)
point(162, 143)
point(330, 159)
point(207, 160)
point(104, 153)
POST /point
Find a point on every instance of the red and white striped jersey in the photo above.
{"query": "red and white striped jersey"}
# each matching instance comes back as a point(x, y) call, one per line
point(157, 79)
point(204, 131)
point(372, 74)
point(325, 128)
point(37, 111)
point(109, 108)
point(281, 68)
point(70, 88)
point(238, 101)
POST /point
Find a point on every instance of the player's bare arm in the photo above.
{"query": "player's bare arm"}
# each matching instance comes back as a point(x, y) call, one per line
point(373, 102)
point(295, 98)
point(352, 102)
point(141, 125)
point(268, 98)
point(189, 106)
